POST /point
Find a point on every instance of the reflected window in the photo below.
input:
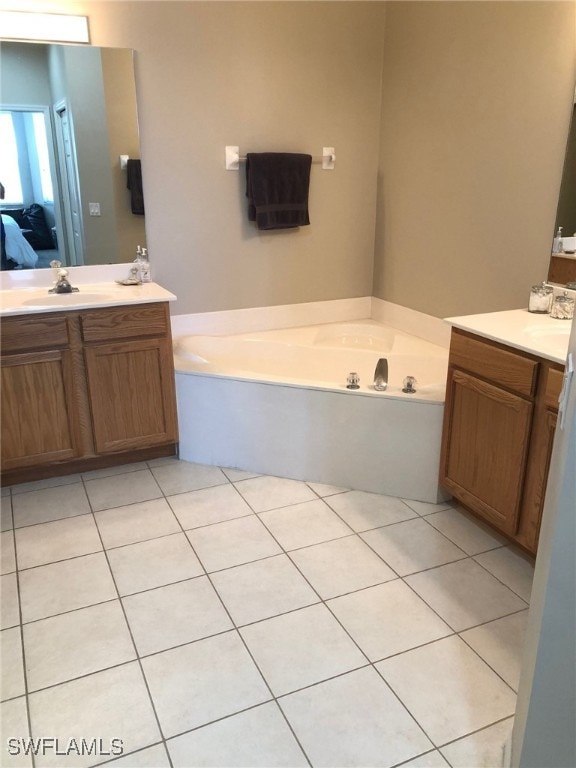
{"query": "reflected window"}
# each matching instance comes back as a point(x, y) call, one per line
point(24, 157)
point(9, 160)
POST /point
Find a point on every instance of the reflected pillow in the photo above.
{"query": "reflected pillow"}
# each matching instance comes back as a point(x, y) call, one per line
point(33, 217)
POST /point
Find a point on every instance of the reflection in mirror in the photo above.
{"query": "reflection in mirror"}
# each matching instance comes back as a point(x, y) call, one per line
point(67, 114)
point(563, 267)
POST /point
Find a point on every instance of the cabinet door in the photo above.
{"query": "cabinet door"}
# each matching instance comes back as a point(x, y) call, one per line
point(131, 394)
point(38, 409)
point(487, 432)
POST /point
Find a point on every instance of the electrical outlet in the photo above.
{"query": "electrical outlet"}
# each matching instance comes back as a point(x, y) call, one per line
point(94, 209)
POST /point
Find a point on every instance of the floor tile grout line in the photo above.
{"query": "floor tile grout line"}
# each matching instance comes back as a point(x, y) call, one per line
point(461, 560)
point(85, 676)
point(469, 519)
point(416, 757)
point(129, 754)
point(491, 621)
point(445, 758)
point(249, 652)
point(445, 535)
point(55, 520)
point(497, 578)
point(472, 733)
point(139, 661)
point(477, 653)
point(63, 560)
point(23, 649)
point(283, 506)
point(71, 610)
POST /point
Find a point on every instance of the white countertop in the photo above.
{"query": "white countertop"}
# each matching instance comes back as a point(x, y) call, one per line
point(539, 335)
point(32, 300)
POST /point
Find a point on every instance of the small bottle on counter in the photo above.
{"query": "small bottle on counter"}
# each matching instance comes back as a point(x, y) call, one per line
point(540, 300)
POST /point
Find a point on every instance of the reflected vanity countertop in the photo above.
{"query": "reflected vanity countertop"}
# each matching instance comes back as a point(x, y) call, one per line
point(36, 299)
point(536, 334)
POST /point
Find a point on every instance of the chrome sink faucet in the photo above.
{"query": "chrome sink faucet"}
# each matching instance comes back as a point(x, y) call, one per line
point(61, 284)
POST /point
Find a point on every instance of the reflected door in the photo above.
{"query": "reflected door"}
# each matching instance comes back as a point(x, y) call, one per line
point(70, 187)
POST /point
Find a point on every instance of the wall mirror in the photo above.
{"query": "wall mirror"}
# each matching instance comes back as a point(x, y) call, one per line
point(563, 270)
point(67, 113)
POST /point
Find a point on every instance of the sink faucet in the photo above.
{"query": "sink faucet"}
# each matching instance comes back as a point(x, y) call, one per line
point(61, 284)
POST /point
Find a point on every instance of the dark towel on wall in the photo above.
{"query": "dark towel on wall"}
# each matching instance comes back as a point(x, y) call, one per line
point(134, 184)
point(277, 185)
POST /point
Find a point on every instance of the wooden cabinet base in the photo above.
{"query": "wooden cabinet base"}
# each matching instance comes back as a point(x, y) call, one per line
point(499, 422)
point(86, 389)
point(28, 474)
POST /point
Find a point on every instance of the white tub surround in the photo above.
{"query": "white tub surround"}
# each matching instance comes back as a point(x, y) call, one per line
point(410, 321)
point(536, 334)
point(271, 318)
point(432, 329)
point(276, 402)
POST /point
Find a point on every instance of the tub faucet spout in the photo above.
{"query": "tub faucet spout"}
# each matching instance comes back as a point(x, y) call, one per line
point(381, 375)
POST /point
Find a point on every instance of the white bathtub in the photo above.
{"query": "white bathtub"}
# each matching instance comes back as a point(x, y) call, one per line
point(276, 402)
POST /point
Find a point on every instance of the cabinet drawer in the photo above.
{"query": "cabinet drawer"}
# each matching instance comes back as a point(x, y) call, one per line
point(125, 322)
point(510, 370)
point(553, 387)
point(36, 332)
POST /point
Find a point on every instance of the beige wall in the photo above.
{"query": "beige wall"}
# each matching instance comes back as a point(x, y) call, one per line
point(264, 76)
point(475, 106)
point(475, 113)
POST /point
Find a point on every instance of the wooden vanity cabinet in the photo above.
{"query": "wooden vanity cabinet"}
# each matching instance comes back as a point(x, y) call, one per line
point(86, 388)
point(39, 417)
point(499, 422)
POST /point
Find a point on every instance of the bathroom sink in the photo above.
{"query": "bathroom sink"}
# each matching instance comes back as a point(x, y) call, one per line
point(64, 299)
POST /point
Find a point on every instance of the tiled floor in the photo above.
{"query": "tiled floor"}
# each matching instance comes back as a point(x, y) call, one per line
point(208, 617)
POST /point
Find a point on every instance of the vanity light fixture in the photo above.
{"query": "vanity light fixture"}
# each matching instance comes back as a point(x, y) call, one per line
point(43, 27)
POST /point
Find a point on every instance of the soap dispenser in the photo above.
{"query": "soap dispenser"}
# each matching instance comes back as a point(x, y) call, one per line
point(145, 266)
point(558, 244)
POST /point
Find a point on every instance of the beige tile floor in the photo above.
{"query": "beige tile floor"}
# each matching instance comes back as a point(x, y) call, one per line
point(210, 617)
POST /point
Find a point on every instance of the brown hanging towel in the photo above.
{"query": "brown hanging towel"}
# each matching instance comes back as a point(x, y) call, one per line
point(277, 186)
point(134, 184)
